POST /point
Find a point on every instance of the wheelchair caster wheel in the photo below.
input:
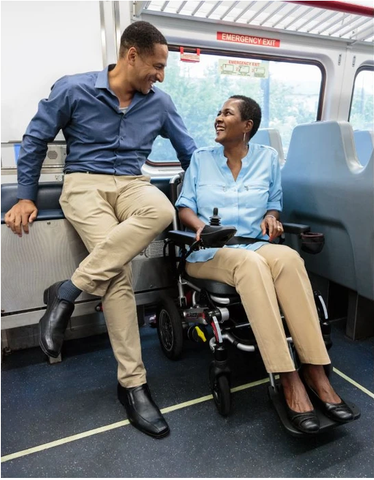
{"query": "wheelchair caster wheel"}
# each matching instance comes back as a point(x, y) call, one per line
point(170, 329)
point(220, 388)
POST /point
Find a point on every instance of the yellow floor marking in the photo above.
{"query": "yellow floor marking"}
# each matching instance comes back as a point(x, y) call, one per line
point(343, 375)
point(195, 401)
point(249, 385)
point(112, 426)
point(172, 408)
point(64, 440)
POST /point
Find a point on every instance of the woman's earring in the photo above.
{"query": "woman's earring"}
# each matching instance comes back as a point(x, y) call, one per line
point(244, 138)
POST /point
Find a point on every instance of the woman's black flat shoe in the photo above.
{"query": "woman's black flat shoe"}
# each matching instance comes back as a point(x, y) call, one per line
point(339, 412)
point(306, 422)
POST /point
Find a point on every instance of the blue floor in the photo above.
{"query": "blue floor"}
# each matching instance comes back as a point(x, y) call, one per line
point(42, 403)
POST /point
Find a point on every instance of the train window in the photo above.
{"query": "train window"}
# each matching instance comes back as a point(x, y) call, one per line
point(288, 93)
point(362, 106)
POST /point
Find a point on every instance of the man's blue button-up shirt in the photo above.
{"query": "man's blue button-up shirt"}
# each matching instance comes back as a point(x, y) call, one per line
point(243, 202)
point(100, 138)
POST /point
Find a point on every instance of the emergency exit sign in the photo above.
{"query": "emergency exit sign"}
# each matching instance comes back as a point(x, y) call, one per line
point(247, 39)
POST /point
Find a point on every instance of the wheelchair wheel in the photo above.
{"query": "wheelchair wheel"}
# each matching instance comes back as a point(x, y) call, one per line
point(221, 394)
point(169, 329)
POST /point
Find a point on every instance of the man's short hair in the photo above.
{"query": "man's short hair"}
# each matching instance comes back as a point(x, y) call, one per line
point(143, 36)
point(249, 110)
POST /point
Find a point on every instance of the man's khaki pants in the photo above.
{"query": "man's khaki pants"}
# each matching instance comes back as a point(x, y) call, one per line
point(272, 274)
point(116, 217)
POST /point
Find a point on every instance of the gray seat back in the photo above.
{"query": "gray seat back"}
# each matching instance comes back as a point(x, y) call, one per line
point(326, 187)
point(270, 137)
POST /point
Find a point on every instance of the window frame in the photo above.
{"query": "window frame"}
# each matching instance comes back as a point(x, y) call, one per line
point(364, 67)
point(250, 56)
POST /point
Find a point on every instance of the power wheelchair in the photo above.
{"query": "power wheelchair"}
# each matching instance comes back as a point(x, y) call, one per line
point(207, 305)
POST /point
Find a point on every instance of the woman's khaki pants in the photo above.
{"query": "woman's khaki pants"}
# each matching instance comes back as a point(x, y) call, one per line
point(116, 217)
point(273, 274)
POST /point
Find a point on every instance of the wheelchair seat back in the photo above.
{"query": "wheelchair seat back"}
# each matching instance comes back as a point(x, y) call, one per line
point(212, 286)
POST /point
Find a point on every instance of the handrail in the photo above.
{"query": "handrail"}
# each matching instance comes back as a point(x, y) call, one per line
point(343, 7)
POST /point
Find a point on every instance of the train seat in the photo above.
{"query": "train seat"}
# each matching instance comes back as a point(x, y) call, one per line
point(270, 137)
point(203, 303)
point(364, 141)
point(47, 200)
point(327, 187)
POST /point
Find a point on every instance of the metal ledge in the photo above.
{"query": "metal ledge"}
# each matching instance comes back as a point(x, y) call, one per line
point(32, 318)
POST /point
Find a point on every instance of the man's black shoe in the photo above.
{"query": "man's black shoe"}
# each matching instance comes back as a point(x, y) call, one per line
point(142, 411)
point(53, 323)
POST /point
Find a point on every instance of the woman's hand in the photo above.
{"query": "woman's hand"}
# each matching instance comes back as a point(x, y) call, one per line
point(198, 232)
point(189, 218)
point(274, 227)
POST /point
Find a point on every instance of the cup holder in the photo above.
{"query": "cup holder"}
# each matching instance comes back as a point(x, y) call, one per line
point(312, 242)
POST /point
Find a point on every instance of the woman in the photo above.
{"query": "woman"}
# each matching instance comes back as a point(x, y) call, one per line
point(243, 180)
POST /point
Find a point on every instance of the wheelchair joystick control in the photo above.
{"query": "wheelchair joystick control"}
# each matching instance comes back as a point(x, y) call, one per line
point(215, 234)
point(215, 219)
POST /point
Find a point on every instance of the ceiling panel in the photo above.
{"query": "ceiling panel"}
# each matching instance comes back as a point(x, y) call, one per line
point(282, 16)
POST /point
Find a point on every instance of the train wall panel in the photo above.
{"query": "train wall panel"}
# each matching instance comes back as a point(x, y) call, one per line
point(60, 38)
point(50, 253)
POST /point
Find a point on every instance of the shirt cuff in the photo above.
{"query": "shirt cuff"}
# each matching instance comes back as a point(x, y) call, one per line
point(185, 203)
point(27, 192)
point(274, 206)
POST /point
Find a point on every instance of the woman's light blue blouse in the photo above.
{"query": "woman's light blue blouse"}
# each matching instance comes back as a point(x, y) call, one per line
point(243, 202)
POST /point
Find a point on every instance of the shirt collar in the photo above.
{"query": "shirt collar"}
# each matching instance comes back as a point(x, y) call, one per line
point(245, 160)
point(102, 80)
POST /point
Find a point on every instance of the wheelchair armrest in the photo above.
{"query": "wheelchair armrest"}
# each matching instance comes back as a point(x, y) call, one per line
point(311, 242)
point(295, 228)
point(216, 235)
point(181, 237)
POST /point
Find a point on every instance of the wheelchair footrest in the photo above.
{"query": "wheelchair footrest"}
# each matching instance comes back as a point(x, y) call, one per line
point(326, 423)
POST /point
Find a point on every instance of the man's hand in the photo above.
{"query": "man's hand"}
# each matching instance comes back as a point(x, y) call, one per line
point(20, 215)
point(274, 227)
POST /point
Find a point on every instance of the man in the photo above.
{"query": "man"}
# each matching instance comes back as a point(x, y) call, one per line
point(110, 120)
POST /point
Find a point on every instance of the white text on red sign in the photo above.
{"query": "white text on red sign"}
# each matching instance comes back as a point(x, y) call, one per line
point(248, 39)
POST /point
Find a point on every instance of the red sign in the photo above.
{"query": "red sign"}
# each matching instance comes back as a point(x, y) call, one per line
point(189, 57)
point(248, 39)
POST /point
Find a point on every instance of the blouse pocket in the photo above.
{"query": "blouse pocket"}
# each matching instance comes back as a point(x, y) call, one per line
point(255, 194)
point(212, 194)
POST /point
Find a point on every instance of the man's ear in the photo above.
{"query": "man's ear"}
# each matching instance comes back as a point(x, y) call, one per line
point(131, 55)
